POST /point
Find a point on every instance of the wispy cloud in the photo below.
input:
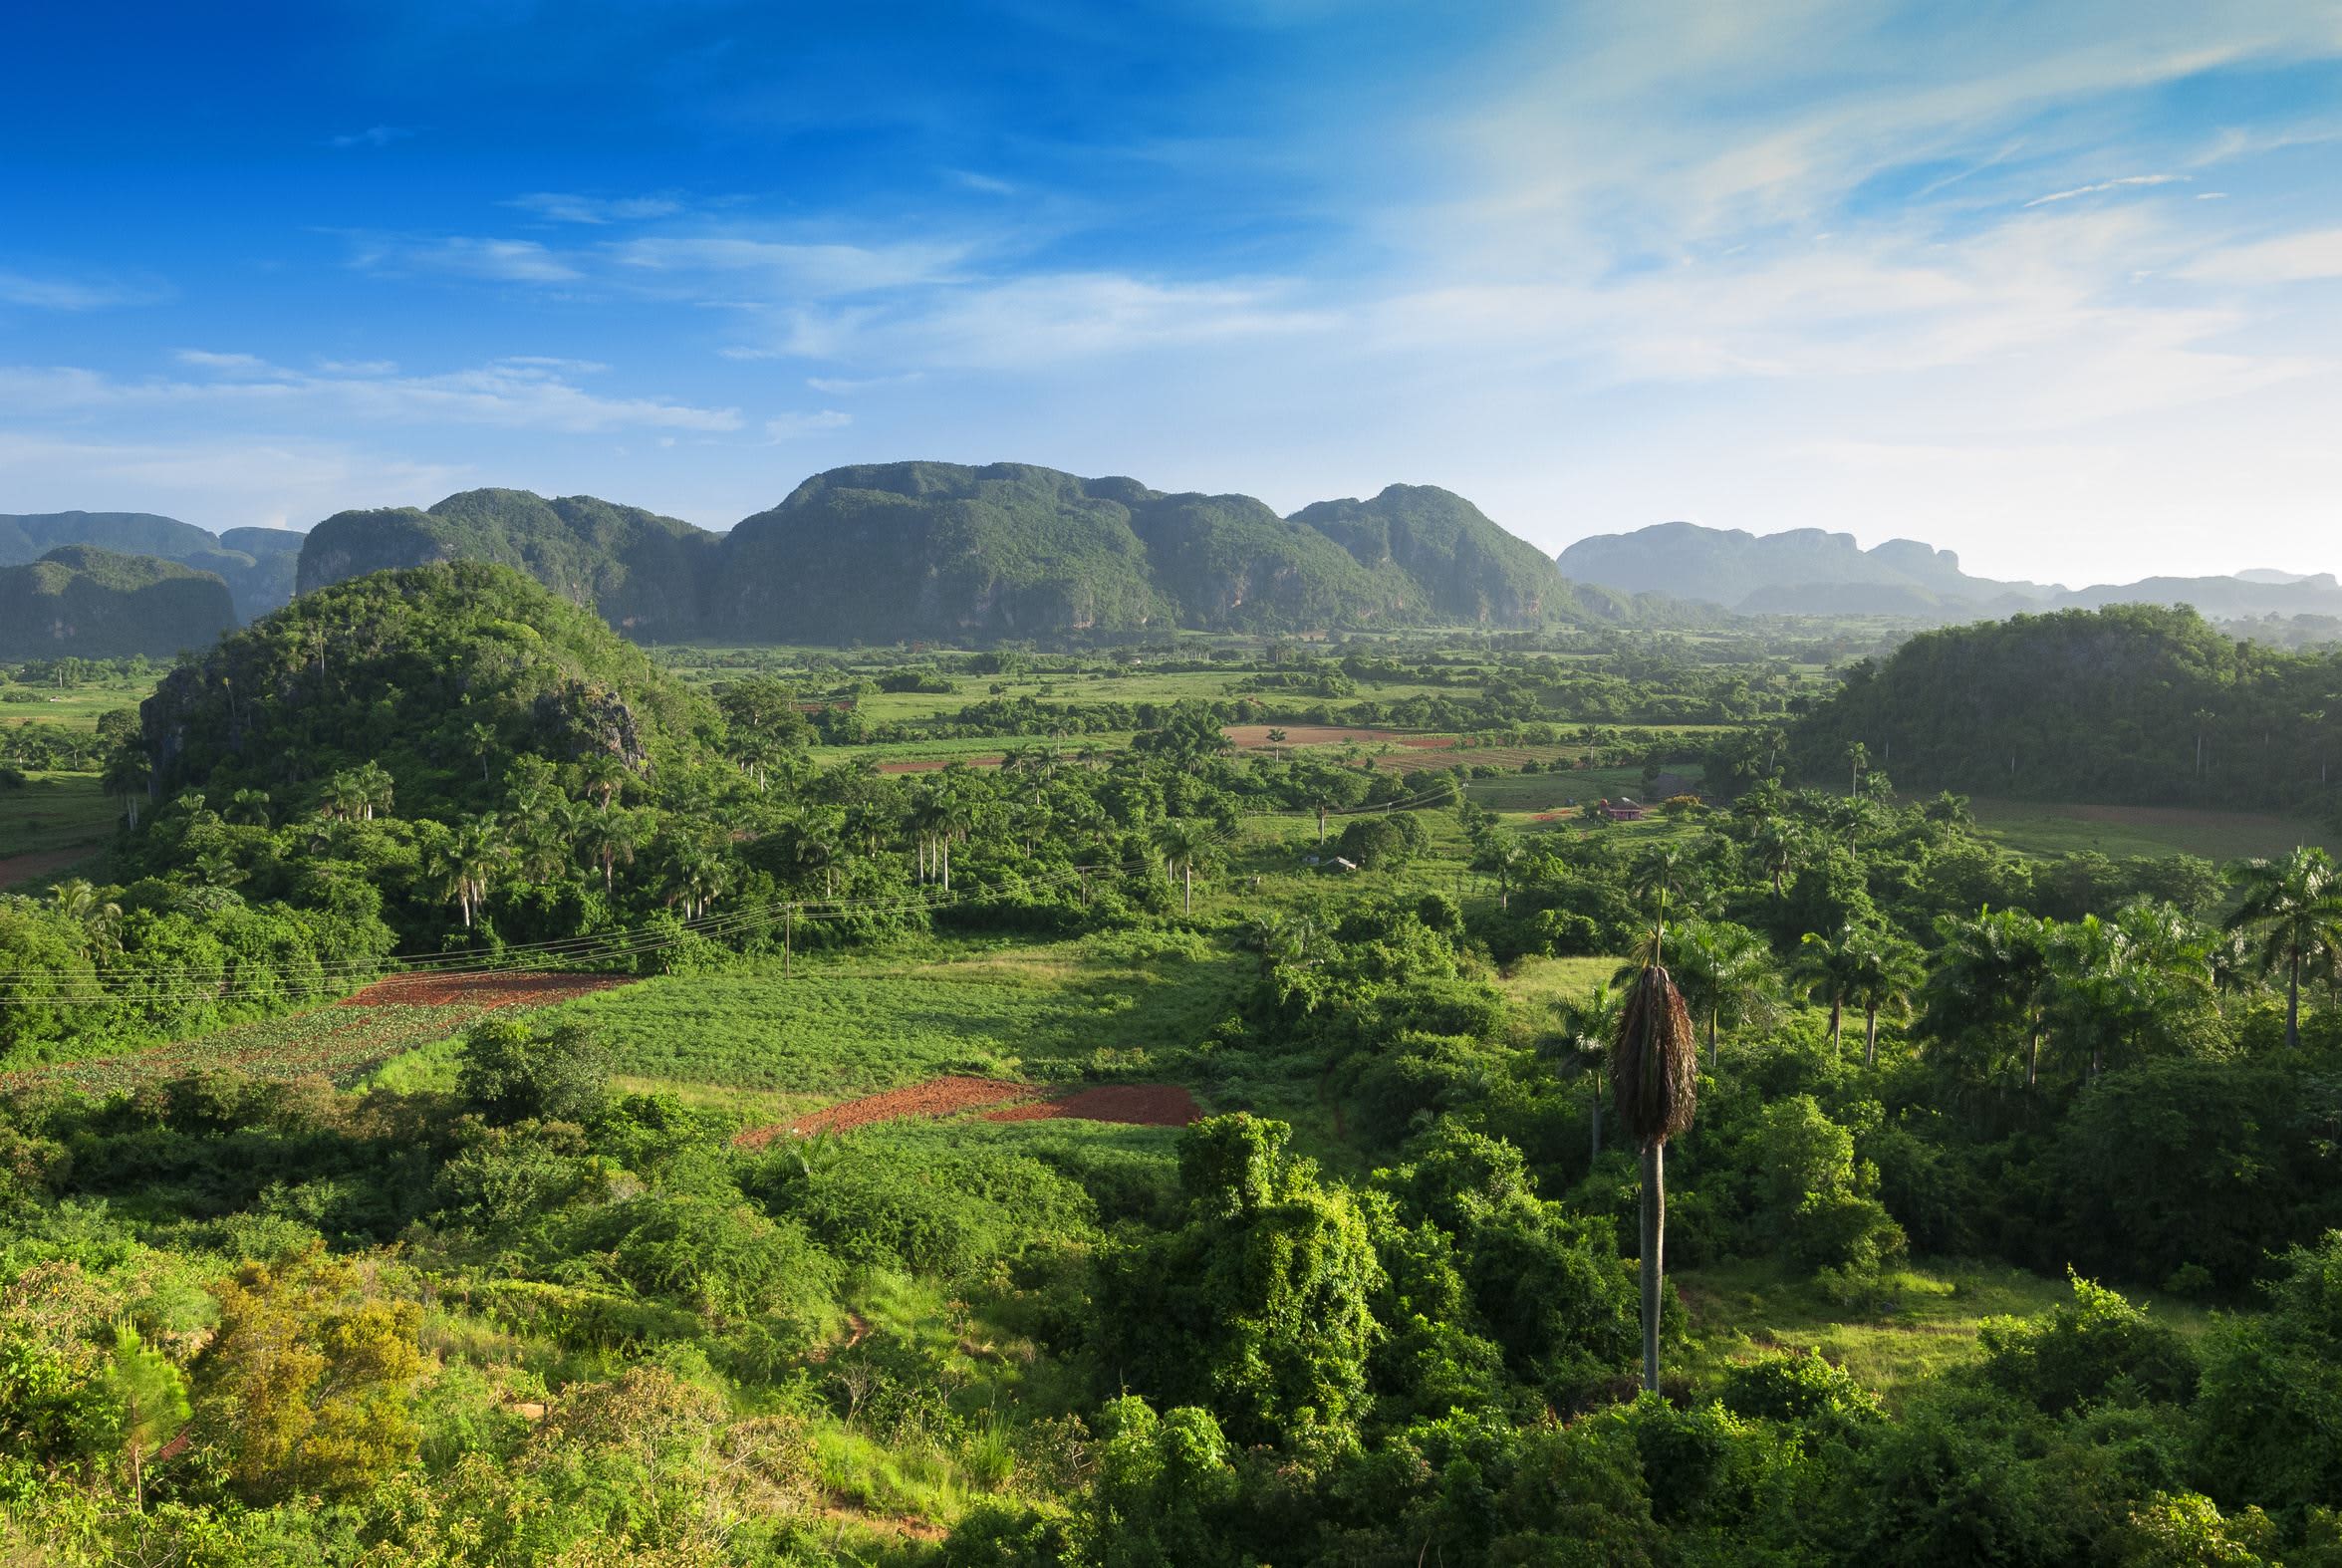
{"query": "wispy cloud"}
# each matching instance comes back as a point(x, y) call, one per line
point(563, 207)
point(790, 427)
point(68, 294)
point(508, 393)
point(2294, 258)
point(466, 256)
point(2107, 184)
point(371, 136)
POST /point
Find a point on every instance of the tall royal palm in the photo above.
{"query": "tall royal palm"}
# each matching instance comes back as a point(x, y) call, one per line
point(1830, 969)
point(2291, 913)
point(1888, 973)
point(1727, 974)
point(1182, 845)
point(1654, 1078)
point(1992, 980)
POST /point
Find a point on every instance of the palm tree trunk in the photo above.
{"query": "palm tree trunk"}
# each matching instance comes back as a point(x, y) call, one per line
point(2293, 1002)
point(1653, 1239)
point(1870, 1037)
point(1838, 1028)
point(1713, 1059)
point(1594, 1118)
point(2033, 1061)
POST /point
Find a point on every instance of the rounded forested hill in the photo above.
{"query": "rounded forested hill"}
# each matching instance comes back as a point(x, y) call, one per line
point(925, 549)
point(2136, 704)
point(97, 604)
point(642, 572)
point(436, 672)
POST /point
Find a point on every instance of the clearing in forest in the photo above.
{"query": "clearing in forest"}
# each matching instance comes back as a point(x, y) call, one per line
point(1134, 1105)
point(342, 1041)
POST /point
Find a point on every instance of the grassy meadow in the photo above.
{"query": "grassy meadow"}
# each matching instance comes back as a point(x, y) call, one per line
point(2041, 828)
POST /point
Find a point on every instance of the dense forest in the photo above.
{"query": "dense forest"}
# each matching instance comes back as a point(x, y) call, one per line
point(2133, 704)
point(257, 564)
point(598, 1283)
point(78, 599)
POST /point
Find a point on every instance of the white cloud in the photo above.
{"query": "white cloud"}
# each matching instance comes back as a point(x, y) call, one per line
point(217, 483)
point(2107, 184)
point(371, 136)
point(2294, 258)
point(67, 294)
point(795, 268)
point(789, 427)
point(508, 393)
point(466, 256)
point(225, 364)
point(561, 207)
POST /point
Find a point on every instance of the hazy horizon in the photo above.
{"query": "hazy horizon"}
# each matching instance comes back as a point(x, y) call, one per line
point(2058, 289)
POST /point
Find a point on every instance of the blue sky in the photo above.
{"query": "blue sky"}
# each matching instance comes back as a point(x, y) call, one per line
point(2058, 286)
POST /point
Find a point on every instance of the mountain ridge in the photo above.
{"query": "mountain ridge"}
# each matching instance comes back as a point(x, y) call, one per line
point(1811, 571)
point(887, 551)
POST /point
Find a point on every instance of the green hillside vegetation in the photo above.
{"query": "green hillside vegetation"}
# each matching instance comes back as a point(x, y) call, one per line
point(936, 551)
point(642, 572)
point(78, 599)
point(2130, 705)
point(440, 674)
point(2001, 1221)
point(256, 562)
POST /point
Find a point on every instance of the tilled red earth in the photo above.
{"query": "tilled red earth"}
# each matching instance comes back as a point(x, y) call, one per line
point(1142, 1105)
point(512, 988)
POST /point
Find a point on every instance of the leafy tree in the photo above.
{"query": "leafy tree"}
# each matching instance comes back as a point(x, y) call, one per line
point(2291, 910)
point(1182, 845)
point(511, 1071)
point(1726, 971)
point(149, 1395)
point(307, 1382)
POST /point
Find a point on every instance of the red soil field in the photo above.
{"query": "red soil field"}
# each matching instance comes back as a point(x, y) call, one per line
point(515, 988)
point(936, 764)
point(935, 1096)
point(1141, 1105)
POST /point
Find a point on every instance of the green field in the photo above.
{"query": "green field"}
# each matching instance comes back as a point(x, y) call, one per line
point(76, 705)
point(837, 1028)
point(2039, 828)
point(1925, 1321)
point(55, 814)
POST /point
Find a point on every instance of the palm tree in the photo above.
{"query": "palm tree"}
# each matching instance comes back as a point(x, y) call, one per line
point(2292, 912)
point(1889, 972)
point(375, 789)
point(604, 774)
point(1830, 968)
point(609, 838)
point(483, 746)
point(77, 900)
point(248, 806)
point(1857, 758)
point(1182, 845)
point(465, 860)
point(1658, 873)
point(1503, 856)
point(125, 779)
point(344, 796)
point(1589, 1025)
point(1653, 1074)
point(1778, 845)
point(1725, 971)
point(1992, 973)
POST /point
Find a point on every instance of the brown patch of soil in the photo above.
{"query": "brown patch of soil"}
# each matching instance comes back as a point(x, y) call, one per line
point(935, 1096)
point(516, 988)
point(1254, 736)
point(1140, 1105)
point(936, 764)
point(30, 868)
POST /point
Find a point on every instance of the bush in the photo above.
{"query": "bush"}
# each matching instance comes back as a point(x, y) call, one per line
point(509, 1072)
